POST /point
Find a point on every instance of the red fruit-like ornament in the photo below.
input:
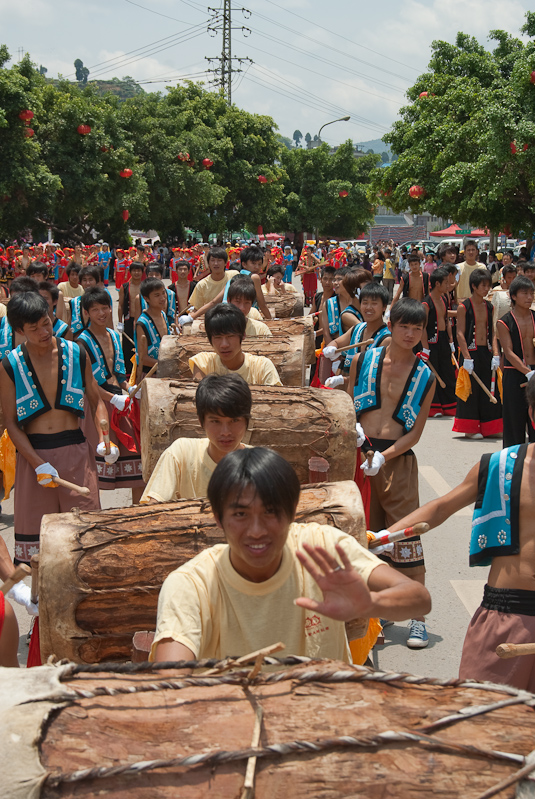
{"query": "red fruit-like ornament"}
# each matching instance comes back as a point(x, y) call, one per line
point(125, 214)
point(104, 149)
point(29, 132)
point(207, 163)
point(423, 94)
point(343, 193)
point(262, 179)
point(26, 115)
point(525, 147)
point(513, 147)
point(416, 192)
point(83, 130)
point(126, 173)
point(532, 77)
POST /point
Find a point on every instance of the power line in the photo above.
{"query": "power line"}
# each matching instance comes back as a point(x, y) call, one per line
point(131, 2)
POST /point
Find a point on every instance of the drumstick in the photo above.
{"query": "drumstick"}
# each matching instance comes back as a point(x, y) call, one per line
point(105, 427)
point(514, 650)
point(151, 371)
point(493, 383)
point(135, 389)
point(34, 563)
point(127, 337)
point(20, 572)
point(485, 389)
point(352, 346)
point(83, 490)
point(390, 538)
point(438, 377)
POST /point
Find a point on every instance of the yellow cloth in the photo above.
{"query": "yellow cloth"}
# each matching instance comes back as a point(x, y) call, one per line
point(463, 286)
point(254, 313)
point(256, 328)
point(463, 386)
point(132, 378)
point(390, 270)
point(8, 459)
point(183, 471)
point(499, 374)
point(68, 291)
point(208, 607)
point(255, 370)
point(207, 289)
point(361, 647)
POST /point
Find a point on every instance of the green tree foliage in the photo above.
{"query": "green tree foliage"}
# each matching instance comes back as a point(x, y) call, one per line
point(470, 141)
point(385, 158)
point(82, 73)
point(312, 189)
point(297, 137)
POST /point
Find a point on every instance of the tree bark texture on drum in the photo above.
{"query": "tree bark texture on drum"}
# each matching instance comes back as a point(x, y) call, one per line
point(122, 729)
point(287, 353)
point(293, 326)
point(298, 423)
point(100, 572)
point(283, 306)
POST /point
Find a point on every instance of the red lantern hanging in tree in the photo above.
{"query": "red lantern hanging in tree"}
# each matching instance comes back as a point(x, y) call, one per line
point(343, 193)
point(507, 231)
point(513, 147)
point(83, 130)
point(423, 94)
point(104, 149)
point(525, 147)
point(29, 132)
point(262, 179)
point(207, 163)
point(125, 214)
point(183, 156)
point(26, 116)
point(126, 173)
point(532, 77)
point(416, 192)
point(260, 230)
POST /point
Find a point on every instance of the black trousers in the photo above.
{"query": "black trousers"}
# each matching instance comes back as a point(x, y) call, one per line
point(516, 420)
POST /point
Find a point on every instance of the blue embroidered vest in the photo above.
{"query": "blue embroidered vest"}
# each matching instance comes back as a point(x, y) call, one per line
point(99, 363)
point(495, 523)
point(171, 305)
point(151, 332)
point(334, 316)
point(357, 335)
point(367, 394)
point(7, 337)
point(77, 321)
point(60, 328)
point(31, 401)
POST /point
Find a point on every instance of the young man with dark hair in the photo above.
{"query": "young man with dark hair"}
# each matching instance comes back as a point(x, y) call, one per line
point(151, 325)
point(38, 271)
point(103, 347)
point(156, 271)
point(275, 284)
point(9, 338)
point(499, 296)
point(414, 284)
point(373, 304)
point(129, 308)
point(242, 294)
point(70, 309)
point(209, 287)
point(183, 471)
point(71, 287)
point(392, 391)
point(516, 333)
point(104, 261)
point(235, 598)
point(42, 388)
point(469, 264)
point(501, 486)
point(477, 417)
point(183, 287)
point(225, 327)
point(341, 312)
point(51, 294)
point(437, 343)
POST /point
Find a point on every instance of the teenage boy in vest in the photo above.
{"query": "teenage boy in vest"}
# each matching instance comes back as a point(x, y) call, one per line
point(42, 388)
point(51, 294)
point(437, 343)
point(70, 310)
point(156, 271)
point(129, 308)
point(392, 391)
point(516, 332)
point(478, 417)
point(501, 485)
point(414, 284)
point(242, 294)
point(9, 338)
point(183, 471)
point(225, 327)
point(103, 347)
point(151, 325)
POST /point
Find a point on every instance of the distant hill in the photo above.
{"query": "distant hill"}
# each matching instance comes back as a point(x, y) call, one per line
point(377, 145)
point(123, 89)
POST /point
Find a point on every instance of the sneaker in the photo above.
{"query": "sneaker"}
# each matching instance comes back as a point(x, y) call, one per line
point(473, 436)
point(385, 623)
point(418, 638)
point(438, 415)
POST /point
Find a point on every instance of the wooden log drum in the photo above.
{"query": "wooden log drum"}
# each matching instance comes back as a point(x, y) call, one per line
point(296, 423)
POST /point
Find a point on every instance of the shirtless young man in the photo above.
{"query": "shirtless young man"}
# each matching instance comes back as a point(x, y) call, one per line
point(151, 325)
point(516, 332)
point(437, 343)
point(42, 387)
point(414, 283)
point(503, 536)
point(183, 287)
point(129, 308)
point(392, 391)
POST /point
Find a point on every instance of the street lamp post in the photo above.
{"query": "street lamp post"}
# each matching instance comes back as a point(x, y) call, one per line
point(342, 119)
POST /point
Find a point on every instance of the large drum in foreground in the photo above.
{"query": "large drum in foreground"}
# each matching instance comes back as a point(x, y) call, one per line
point(319, 729)
point(287, 354)
point(100, 572)
point(283, 306)
point(296, 423)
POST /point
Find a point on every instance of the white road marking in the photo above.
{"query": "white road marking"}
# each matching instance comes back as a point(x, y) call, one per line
point(470, 592)
point(440, 486)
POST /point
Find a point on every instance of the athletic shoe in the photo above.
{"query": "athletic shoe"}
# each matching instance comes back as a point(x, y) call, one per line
point(473, 436)
point(418, 638)
point(438, 415)
point(385, 623)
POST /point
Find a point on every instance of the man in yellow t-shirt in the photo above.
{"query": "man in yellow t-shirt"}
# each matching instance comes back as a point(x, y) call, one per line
point(223, 404)
point(260, 588)
point(209, 287)
point(469, 265)
point(71, 288)
point(242, 294)
point(225, 327)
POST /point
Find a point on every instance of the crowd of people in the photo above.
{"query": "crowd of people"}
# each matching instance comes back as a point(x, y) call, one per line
point(408, 336)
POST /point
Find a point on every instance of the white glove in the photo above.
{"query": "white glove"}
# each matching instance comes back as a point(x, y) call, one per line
point(361, 435)
point(384, 548)
point(468, 364)
point(424, 355)
point(185, 319)
point(22, 594)
point(332, 382)
point(135, 391)
point(336, 365)
point(377, 462)
point(452, 347)
point(529, 375)
point(495, 364)
point(114, 454)
point(119, 401)
point(120, 327)
point(330, 352)
point(48, 470)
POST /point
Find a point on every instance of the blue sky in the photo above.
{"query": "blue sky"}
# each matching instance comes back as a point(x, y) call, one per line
point(314, 61)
